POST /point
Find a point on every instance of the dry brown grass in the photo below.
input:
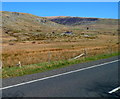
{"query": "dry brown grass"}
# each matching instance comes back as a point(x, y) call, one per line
point(31, 41)
point(41, 51)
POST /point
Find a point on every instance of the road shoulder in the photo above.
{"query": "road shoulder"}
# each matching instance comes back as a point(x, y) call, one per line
point(26, 78)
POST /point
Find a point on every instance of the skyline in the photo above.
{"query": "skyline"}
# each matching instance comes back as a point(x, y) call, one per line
point(75, 9)
point(60, 0)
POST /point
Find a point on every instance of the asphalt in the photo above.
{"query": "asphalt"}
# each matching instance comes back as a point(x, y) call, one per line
point(94, 82)
point(16, 80)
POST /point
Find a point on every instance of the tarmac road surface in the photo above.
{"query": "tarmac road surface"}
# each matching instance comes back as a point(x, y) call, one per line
point(96, 79)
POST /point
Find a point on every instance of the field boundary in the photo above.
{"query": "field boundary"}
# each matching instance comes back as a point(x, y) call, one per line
point(42, 67)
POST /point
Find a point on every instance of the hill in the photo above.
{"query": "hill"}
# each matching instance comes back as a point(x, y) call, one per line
point(25, 27)
point(73, 21)
point(32, 39)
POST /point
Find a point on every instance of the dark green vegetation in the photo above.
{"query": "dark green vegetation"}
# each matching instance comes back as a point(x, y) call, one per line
point(73, 21)
point(41, 67)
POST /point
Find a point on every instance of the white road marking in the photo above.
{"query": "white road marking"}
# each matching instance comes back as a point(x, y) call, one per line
point(114, 90)
point(58, 75)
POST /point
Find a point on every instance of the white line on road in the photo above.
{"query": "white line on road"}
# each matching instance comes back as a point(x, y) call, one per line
point(57, 75)
point(114, 90)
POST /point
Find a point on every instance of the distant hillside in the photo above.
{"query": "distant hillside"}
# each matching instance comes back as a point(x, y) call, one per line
point(22, 26)
point(73, 21)
point(25, 26)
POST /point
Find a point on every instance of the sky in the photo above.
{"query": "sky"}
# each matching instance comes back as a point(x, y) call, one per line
point(60, 0)
point(77, 9)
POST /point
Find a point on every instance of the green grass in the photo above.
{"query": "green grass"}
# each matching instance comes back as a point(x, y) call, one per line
point(41, 67)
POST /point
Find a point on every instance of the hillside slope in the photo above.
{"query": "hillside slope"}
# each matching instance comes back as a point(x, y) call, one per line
point(73, 21)
point(25, 26)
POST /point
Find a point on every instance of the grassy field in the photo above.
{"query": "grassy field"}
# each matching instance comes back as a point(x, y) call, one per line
point(32, 39)
point(45, 51)
point(42, 55)
point(41, 67)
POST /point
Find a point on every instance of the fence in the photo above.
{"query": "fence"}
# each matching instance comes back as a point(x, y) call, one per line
point(50, 56)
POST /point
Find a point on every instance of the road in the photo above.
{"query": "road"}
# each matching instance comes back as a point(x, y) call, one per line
point(97, 81)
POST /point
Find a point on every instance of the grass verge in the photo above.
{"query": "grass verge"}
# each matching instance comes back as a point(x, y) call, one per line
point(41, 67)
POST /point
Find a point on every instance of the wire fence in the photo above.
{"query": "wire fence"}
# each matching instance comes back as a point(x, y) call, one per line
point(50, 56)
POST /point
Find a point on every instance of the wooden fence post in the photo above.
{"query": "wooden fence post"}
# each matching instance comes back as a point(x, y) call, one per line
point(85, 52)
point(110, 49)
point(49, 56)
point(19, 64)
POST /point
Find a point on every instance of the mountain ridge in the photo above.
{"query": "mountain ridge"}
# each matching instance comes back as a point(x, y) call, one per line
point(75, 20)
